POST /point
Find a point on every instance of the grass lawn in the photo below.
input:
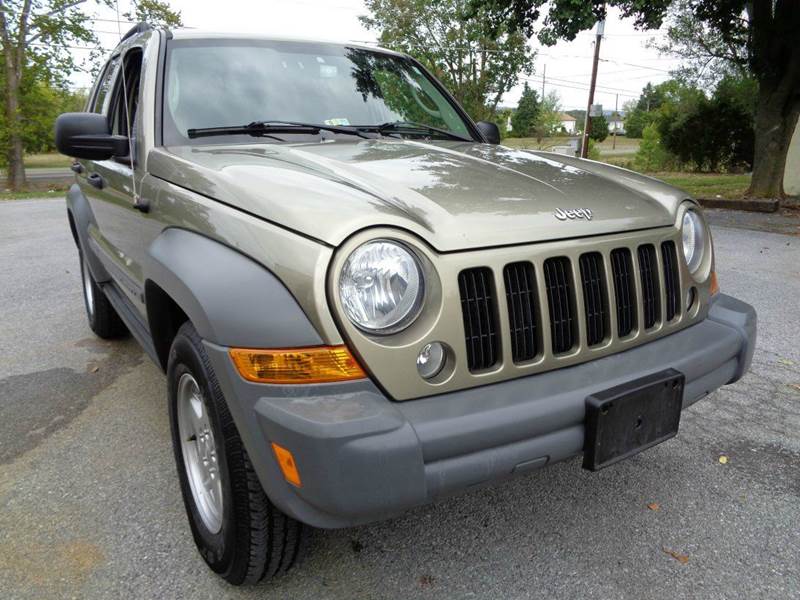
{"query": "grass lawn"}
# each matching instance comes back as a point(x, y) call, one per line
point(51, 161)
point(708, 185)
point(625, 146)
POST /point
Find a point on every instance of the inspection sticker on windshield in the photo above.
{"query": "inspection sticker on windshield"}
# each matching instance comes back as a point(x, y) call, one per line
point(336, 122)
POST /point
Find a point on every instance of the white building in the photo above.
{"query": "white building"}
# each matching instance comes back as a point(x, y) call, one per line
point(568, 123)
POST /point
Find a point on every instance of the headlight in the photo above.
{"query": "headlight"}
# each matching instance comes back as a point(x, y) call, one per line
point(381, 287)
point(694, 240)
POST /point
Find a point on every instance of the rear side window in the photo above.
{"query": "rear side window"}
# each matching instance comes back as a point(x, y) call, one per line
point(104, 87)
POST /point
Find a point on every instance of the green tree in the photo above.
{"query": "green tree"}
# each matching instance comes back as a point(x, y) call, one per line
point(524, 118)
point(501, 119)
point(637, 119)
point(757, 36)
point(475, 53)
point(650, 98)
point(599, 130)
point(652, 155)
point(647, 109)
point(36, 36)
point(711, 134)
point(549, 121)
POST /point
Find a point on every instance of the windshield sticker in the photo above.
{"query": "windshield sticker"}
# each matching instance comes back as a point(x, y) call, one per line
point(328, 71)
point(336, 122)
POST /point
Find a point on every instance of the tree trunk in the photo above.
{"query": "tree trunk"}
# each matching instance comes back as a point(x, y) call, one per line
point(15, 176)
point(776, 119)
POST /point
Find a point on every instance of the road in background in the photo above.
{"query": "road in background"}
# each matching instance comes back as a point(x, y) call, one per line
point(90, 505)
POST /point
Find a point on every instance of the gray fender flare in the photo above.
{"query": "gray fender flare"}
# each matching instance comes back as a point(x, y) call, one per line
point(83, 217)
point(231, 299)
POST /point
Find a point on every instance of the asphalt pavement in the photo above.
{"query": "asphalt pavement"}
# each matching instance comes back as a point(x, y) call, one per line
point(90, 505)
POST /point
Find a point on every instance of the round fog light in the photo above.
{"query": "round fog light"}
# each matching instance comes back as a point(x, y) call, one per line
point(431, 359)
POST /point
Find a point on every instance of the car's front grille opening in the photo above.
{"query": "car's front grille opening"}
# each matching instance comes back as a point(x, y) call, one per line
point(672, 285)
point(479, 310)
point(594, 297)
point(520, 281)
point(648, 273)
point(624, 290)
point(561, 303)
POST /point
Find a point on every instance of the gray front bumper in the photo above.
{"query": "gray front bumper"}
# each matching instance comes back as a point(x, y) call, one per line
point(363, 457)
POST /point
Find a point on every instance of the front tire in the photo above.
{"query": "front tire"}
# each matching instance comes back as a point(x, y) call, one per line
point(240, 534)
point(103, 319)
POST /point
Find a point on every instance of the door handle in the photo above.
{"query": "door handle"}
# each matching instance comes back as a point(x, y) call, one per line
point(96, 180)
point(76, 167)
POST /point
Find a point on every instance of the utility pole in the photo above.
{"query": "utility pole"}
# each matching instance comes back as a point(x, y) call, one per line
point(616, 116)
point(587, 124)
point(544, 77)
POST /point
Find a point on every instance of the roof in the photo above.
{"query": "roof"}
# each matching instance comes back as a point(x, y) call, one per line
point(566, 117)
point(201, 34)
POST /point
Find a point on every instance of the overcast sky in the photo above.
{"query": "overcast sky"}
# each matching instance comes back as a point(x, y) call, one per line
point(626, 62)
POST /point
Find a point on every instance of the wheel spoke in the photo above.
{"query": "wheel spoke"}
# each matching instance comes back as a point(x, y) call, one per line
point(199, 452)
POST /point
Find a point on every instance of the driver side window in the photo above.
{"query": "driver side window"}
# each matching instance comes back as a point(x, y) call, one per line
point(124, 108)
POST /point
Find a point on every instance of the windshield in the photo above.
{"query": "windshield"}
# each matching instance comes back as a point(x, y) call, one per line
point(232, 82)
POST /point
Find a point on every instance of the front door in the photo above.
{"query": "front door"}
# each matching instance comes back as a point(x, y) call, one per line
point(112, 186)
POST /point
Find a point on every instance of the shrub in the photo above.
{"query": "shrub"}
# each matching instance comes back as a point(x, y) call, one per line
point(652, 155)
point(599, 130)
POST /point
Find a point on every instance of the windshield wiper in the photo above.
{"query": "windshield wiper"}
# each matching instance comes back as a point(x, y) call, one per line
point(265, 128)
point(412, 127)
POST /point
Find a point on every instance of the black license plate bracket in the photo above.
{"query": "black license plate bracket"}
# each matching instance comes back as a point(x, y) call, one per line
point(632, 417)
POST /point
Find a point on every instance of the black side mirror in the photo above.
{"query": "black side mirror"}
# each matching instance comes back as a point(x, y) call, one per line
point(88, 135)
point(489, 131)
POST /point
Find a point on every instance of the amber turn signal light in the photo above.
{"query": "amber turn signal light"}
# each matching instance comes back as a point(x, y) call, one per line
point(714, 283)
point(317, 364)
point(287, 464)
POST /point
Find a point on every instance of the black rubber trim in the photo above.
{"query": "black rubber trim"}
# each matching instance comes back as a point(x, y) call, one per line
point(127, 313)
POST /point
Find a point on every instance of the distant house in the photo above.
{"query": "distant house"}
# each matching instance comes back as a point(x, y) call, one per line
point(568, 123)
point(616, 121)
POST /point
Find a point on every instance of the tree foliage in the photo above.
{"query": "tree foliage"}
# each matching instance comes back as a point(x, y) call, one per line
point(655, 100)
point(753, 37)
point(690, 129)
point(599, 129)
point(549, 121)
point(37, 39)
point(652, 155)
point(710, 134)
point(707, 52)
point(524, 118)
point(475, 53)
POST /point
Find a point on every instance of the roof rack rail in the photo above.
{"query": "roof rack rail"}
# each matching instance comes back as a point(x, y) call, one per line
point(138, 28)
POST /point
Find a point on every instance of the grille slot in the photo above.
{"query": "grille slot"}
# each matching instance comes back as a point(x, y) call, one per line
point(594, 297)
point(648, 273)
point(624, 290)
point(561, 303)
point(672, 286)
point(520, 283)
point(478, 307)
